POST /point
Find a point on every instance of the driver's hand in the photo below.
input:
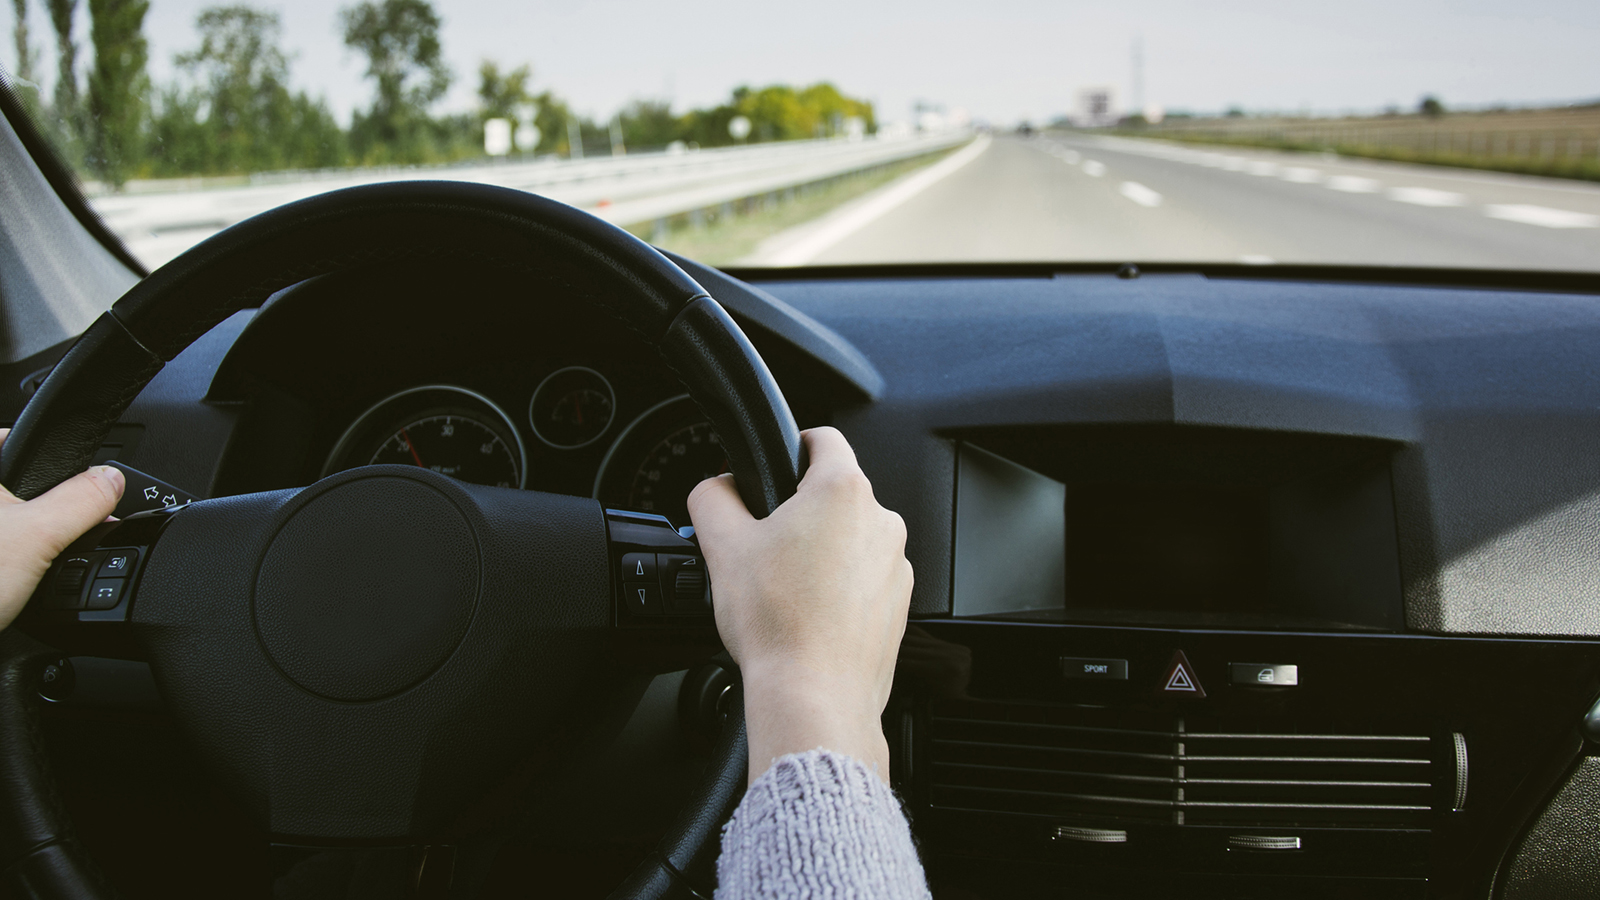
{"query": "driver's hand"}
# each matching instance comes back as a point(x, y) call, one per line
point(811, 602)
point(33, 533)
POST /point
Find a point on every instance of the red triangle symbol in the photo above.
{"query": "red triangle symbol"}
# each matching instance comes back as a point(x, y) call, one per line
point(1180, 679)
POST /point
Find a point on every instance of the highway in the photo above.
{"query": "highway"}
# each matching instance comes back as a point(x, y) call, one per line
point(1077, 197)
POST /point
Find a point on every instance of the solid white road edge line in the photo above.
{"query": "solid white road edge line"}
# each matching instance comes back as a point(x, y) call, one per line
point(806, 249)
point(1542, 216)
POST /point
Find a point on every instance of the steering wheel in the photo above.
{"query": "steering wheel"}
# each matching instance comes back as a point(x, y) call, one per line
point(359, 660)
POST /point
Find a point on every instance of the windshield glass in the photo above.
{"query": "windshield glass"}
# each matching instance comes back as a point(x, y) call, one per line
point(1409, 133)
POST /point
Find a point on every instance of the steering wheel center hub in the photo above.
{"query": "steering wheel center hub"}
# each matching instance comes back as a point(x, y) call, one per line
point(368, 588)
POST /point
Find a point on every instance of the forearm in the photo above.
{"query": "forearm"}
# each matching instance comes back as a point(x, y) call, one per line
point(792, 708)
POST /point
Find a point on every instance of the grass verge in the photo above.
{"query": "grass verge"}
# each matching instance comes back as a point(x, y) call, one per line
point(722, 235)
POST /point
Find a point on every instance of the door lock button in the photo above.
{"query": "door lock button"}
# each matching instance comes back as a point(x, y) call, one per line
point(1264, 674)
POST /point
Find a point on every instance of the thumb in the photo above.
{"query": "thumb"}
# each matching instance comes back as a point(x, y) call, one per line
point(62, 514)
point(715, 506)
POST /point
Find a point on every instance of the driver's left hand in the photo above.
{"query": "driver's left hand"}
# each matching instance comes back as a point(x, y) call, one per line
point(34, 532)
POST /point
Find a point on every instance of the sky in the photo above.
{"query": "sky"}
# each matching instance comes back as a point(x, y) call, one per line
point(1000, 60)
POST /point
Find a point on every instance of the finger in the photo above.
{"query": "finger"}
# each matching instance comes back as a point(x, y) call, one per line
point(716, 507)
point(60, 515)
point(5, 495)
point(828, 450)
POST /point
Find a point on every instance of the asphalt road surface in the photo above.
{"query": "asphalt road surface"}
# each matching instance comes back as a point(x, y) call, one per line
point(1073, 197)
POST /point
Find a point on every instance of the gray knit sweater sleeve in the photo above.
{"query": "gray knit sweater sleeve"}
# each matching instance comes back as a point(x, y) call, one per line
point(819, 825)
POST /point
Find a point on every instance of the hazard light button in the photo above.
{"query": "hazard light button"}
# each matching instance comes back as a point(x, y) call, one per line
point(1178, 679)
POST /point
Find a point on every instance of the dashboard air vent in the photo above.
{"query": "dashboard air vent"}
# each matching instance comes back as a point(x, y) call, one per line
point(1096, 765)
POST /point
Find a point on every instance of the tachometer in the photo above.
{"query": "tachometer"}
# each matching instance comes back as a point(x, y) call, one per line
point(448, 429)
point(452, 444)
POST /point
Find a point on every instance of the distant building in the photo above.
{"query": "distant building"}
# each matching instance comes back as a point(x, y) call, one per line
point(1097, 108)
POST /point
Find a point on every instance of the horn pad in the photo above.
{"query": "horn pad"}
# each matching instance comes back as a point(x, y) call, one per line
point(368, 588)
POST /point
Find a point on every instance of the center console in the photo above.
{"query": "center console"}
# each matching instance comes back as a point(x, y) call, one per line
point(1177, 663)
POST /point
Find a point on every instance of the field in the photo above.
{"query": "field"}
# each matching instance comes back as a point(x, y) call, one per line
point(1558, 142)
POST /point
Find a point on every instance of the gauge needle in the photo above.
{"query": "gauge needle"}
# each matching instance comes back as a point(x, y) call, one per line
point(407, 438)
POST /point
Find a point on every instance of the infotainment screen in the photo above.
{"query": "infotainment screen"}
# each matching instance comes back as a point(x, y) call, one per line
point(1177, 527)
point(1140, 548)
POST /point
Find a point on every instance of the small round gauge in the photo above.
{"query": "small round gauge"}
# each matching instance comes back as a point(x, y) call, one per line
point(451, 430)
point(658, 460)
point(572, 408)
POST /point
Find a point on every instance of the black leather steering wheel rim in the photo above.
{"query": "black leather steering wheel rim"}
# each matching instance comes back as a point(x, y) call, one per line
point(577, 255)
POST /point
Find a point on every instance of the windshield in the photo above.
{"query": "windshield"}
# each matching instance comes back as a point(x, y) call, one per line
point(1408, 133)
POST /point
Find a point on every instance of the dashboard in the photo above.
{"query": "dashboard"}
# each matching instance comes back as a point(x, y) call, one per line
point(1228, 583)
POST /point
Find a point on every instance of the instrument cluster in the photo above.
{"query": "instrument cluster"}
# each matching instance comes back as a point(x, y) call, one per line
point(573, 434)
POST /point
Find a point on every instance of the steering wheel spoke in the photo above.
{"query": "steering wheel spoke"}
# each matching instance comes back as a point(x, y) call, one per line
point(83, 604)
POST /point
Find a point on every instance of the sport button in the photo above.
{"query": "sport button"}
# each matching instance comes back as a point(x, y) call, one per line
point(1094, 668)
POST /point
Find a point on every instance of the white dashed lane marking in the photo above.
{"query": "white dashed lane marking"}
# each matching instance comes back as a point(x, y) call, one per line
point(1257, 259)
point(1354, 184)
point(1421, 196)
point(1524, 213)
point(1140, 194)
point(1542, 216)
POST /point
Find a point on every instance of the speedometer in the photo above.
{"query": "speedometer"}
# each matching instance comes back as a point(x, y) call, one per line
point(451, 430)
point(659, 458)
point(670, 470)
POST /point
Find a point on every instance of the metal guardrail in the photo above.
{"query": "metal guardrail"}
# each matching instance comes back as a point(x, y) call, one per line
point(625, 190)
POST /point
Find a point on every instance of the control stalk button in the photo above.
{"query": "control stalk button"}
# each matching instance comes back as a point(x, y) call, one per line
point(684, 583)
point(119, 563)
point(638, 567)
point(641, 598)
point(73, 575)
point(1094, 669)
point(1273, 674)
point(105, 593)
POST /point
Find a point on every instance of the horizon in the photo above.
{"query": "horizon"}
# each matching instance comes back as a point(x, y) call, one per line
point(1001, 64)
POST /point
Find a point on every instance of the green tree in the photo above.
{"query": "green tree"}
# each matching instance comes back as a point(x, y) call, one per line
point(503, 94)
point(25, 57)
point(26, 82)
point(240, 115)
point(500, 95)
point(67, 110)
point(648, 124)
point(118, 87)
point(400, 39)
point(779, 113)
point(1431, 106)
